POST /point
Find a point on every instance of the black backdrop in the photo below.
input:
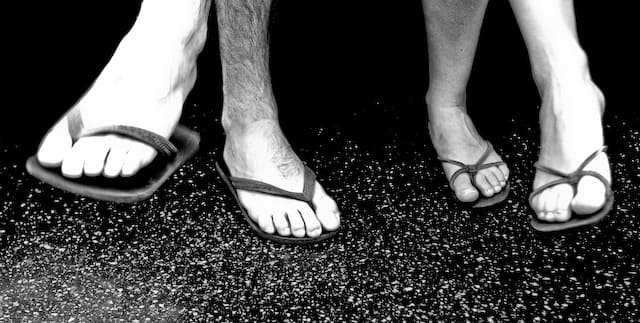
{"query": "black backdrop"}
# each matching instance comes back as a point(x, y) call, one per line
point(330, 59)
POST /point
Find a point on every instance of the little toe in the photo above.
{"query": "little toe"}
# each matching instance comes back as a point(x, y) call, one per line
point(502, 180)
point(483, 184)
point(326, 208)
point(73, 163)
point(311, 223)
point(138, 156)
point(505, 171)
point(564, 195)
point(281, 223)
point(97, 150)
point(493, 180)
point(55, 145)
point(590, 197)
point(538, 204)
point(296, 223)
point(265, 222)
point(464, 190)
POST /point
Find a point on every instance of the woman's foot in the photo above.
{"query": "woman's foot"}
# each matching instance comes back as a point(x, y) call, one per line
point(144, 85)
point(454, 137)
point(571, 129)
point(261, 152)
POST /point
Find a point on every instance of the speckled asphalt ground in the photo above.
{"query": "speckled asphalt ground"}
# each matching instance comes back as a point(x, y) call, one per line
point(407, 251)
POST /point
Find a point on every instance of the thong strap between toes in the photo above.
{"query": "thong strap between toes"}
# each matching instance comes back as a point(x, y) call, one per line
point(162, 145)
point(261, 187)
point(574, 177)
point(471, 169)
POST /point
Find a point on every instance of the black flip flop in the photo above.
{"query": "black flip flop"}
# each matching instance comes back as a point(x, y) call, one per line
point(172, 154)
point(235, 183)
point(573, 179)
point(472, 170)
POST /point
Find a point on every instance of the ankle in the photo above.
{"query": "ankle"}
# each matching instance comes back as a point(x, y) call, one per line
point(240, 126)
point(439, 99)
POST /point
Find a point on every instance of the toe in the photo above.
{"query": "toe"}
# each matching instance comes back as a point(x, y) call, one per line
point(499, 176)
point(483, 184)
point(281, 223)
point(547, 201)
point(73, 163)
point(505, 171)
point(537, 204)
point(265, 222)
point(296, 223)
point(327, 210)
point(493, 180)
point(55, 145)
point(115, 159)
point(563, 203)
point(138, 156)
point(97, 149)
point(464, 190)
point(590, 197)
point(311, 223)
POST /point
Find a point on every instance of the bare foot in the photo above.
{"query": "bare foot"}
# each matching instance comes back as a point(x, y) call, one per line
point(571, 129)
point(144, 85)
point(454, 137)
point(261, 152)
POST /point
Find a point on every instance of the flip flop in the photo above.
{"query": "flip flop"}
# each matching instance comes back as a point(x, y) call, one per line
point(573, 179)
point(236, 183)
point(472, 170)
point(172, 154)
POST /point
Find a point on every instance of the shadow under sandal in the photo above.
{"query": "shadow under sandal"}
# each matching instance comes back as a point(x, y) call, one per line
point(472, 170)
point(577, 220)
point(236, 183)
point(172, 154)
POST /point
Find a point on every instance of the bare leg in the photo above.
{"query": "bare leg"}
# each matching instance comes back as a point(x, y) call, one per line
point(144, 84)
point(571, 110)
point(453, 27)
point(255, 146)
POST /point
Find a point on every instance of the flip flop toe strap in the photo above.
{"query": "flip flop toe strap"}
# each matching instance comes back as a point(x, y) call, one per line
point(163, 146)
point(471, 169)
point(573, 178)
point(256, 186)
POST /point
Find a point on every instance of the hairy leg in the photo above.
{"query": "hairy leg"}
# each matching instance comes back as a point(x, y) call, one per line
point(144, 85)
point(453, 28)
point(571, 109)
point(255, 146)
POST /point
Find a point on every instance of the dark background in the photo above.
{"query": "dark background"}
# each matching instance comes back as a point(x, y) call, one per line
point(330, 59)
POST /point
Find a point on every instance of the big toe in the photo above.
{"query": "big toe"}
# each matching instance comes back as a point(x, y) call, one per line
point(55, 146)
point(590, 197)
point(464, 190)
point(326, 209)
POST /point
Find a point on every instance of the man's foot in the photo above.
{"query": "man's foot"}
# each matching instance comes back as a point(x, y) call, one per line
point(261, 152)
point(144, 85)
point(571, 129)
point(454, 137)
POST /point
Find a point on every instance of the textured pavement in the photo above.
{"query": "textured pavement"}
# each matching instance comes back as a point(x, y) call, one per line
point(407, 250)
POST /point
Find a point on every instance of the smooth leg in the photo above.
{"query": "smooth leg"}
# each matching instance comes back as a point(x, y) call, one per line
point(255, 146)
point(571, 109)
point(453, 28)
point(144, 85)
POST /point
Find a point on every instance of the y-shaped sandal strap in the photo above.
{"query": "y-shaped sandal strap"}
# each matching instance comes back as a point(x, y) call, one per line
point(261, 187)
point(163, 146)
point(574, 177)
point(471, 169)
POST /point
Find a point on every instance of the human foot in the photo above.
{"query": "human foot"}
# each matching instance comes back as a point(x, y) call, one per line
point(454, 137)
point(261, 152)
point(144, 85)
point(571, 130)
